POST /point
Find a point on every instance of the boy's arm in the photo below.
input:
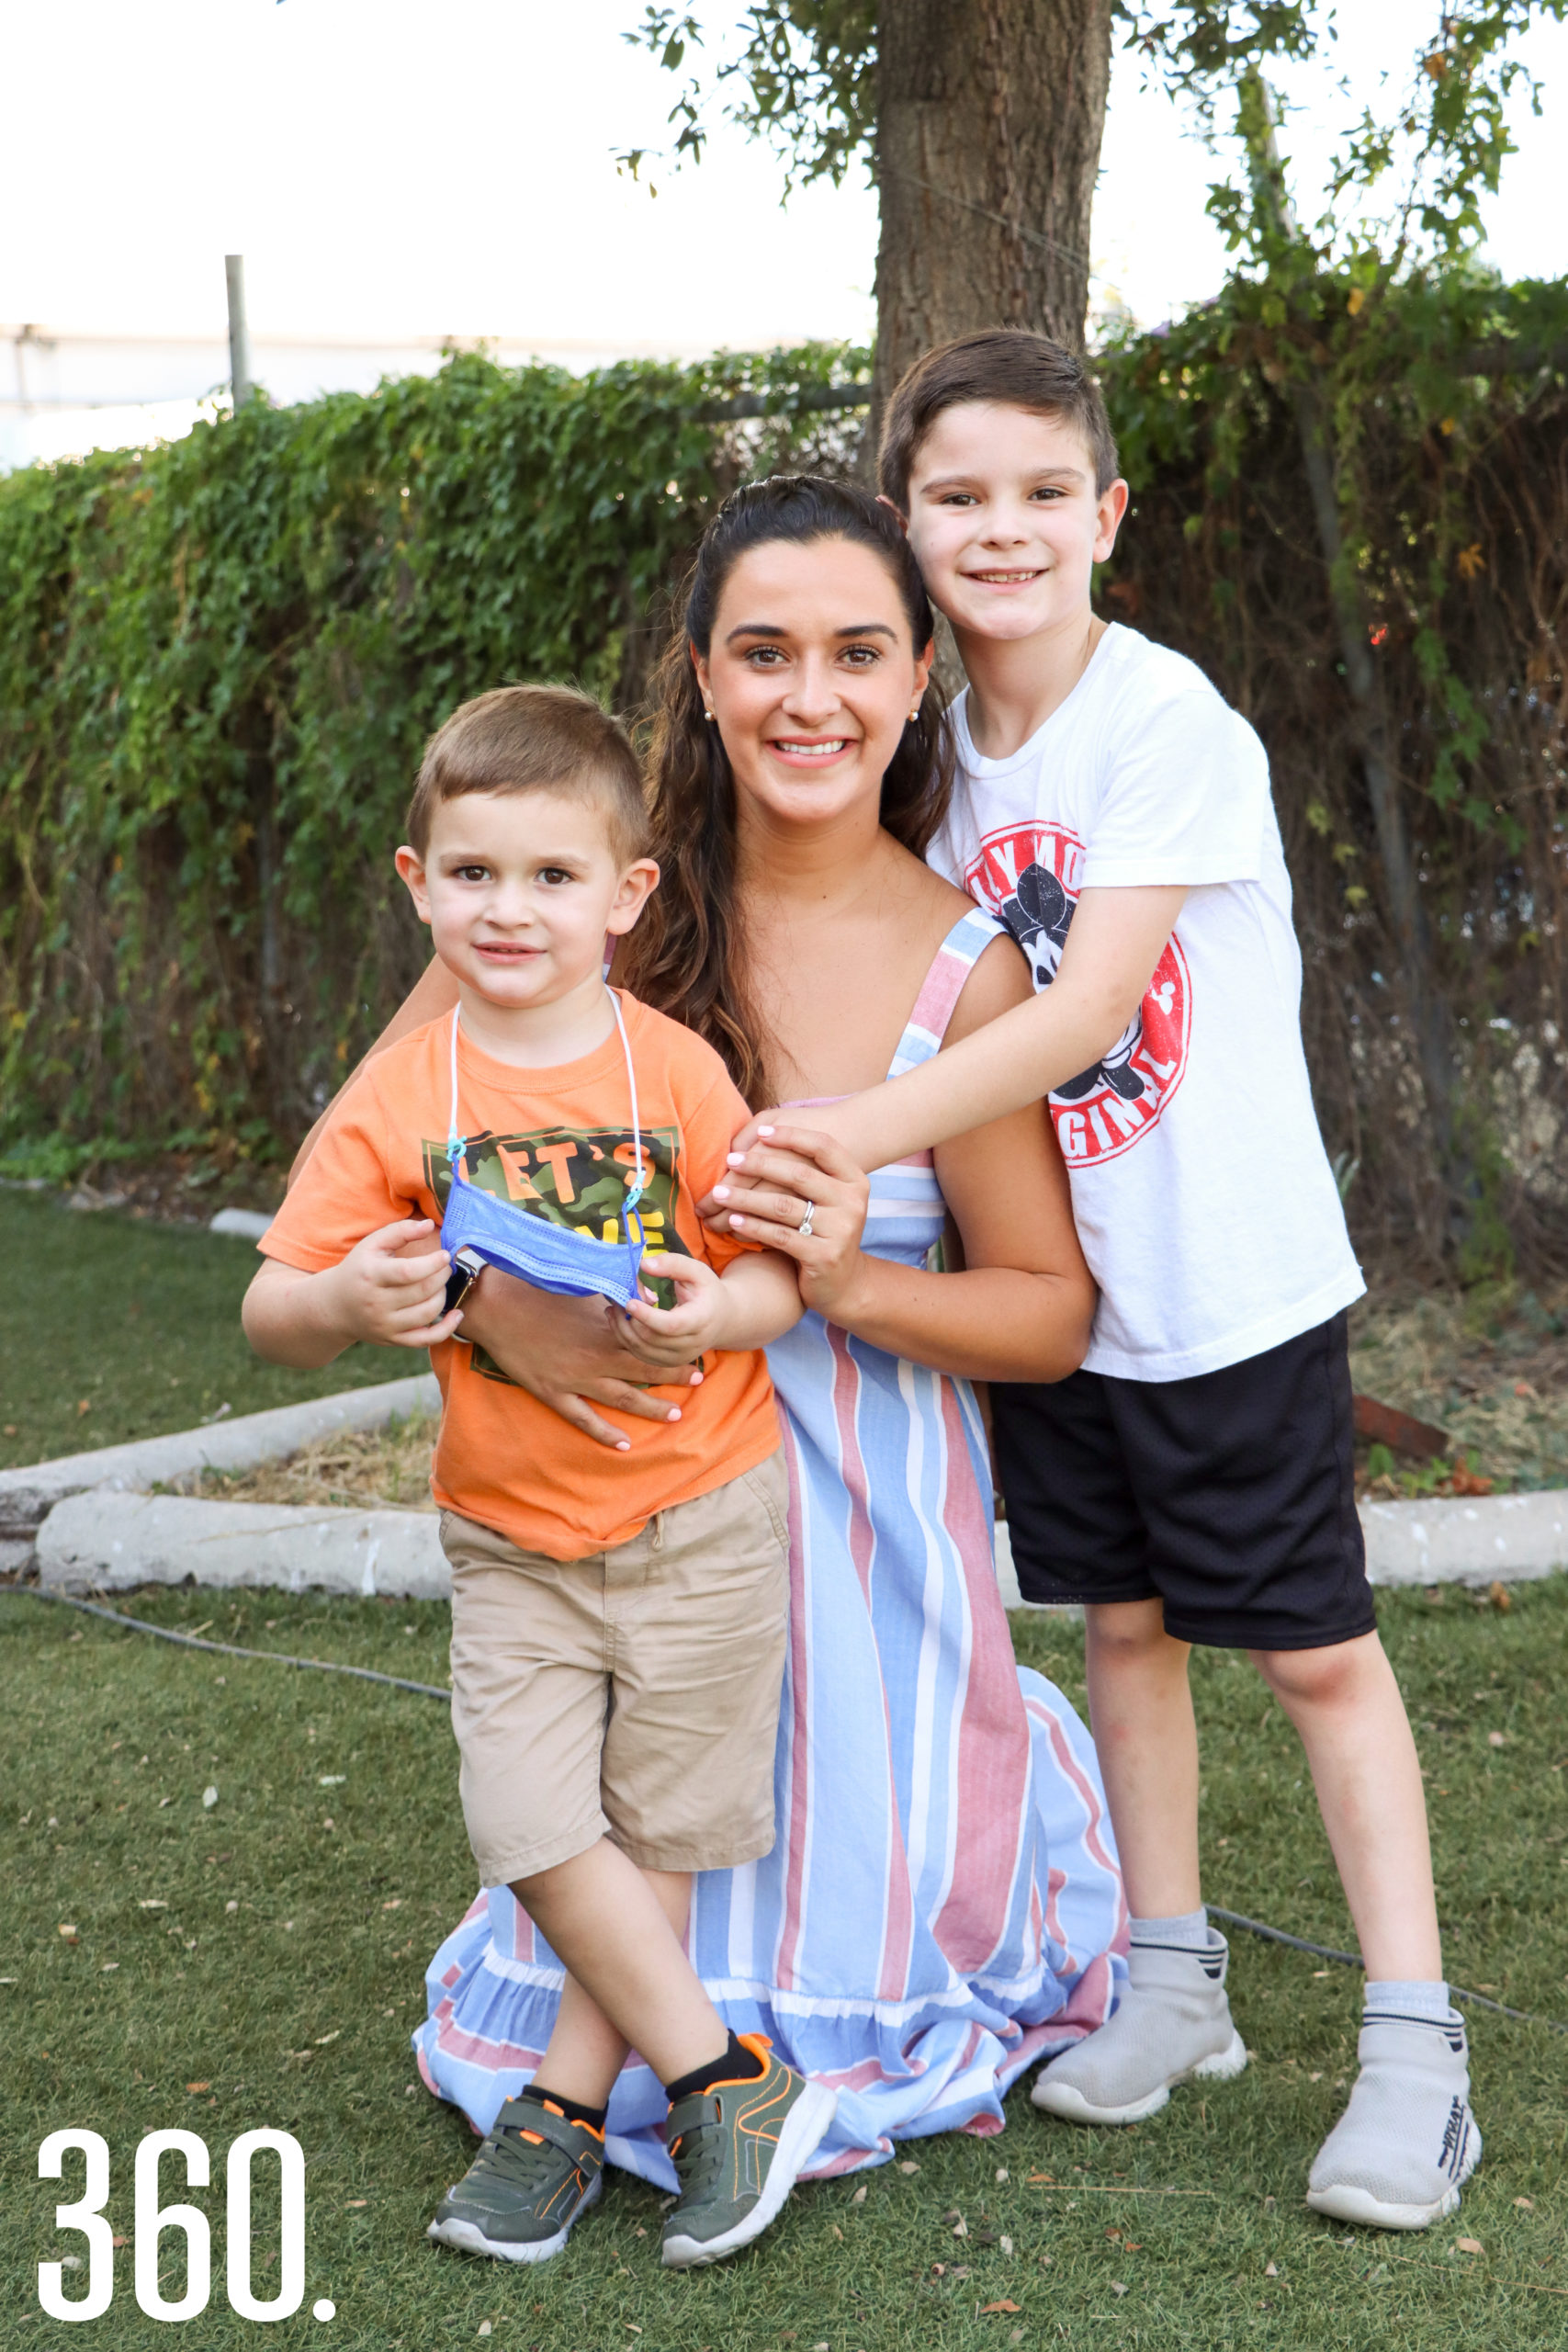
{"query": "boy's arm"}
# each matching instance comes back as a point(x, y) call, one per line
point(748, 1298)
point(1118, 935)
point(763, 1290)
point(304, 1320)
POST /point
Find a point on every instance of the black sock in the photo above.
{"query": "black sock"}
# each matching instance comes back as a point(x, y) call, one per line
point(738, 2065)
point(572, 2108)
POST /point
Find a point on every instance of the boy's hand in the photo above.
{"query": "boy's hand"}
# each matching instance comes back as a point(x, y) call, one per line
point(702, 1317)
point(395, 1301)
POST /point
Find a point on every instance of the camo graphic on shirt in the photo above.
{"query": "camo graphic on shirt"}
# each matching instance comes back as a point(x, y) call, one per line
point(577, 1177)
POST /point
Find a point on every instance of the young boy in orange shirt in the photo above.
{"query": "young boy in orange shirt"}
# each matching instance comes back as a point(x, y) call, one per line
point(617, 1619)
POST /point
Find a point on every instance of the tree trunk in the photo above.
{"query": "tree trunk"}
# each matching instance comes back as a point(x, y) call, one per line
point(989, 116)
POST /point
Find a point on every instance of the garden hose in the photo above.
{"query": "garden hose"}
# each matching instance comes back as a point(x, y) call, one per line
point(226, 1649)
point(433, 1690)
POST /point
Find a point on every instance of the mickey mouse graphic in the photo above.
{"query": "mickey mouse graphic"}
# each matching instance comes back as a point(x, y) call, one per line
point(1039, 915)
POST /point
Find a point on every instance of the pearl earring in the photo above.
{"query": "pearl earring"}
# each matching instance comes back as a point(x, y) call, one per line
point(914, 713)
point(707, 712)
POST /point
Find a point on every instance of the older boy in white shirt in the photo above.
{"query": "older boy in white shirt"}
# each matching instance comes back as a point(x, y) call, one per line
point(1193, 1482)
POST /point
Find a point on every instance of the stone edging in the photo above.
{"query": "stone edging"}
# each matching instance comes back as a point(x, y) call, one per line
point(107, 1542)
point(1447, 1540)
point(29, 1493)
point(96, 1526)
point(1488, 1539)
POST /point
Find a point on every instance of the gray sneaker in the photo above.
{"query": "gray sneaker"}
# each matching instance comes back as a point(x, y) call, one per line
point(536, 2172)
point(1407, 2143)
point(1173, 2021)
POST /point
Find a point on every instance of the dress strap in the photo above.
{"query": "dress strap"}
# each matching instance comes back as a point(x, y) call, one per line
point(943, 986)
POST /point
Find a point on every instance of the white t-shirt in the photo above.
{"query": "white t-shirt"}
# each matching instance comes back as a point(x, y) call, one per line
point(1202, 1193)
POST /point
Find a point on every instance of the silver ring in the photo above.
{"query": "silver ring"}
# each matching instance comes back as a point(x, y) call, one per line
point(804, 1227)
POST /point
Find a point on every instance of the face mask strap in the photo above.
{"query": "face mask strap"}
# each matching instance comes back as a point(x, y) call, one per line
point(638, 1189)
point(457, 1145)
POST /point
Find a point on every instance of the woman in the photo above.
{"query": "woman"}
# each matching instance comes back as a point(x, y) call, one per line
point(941, 1905)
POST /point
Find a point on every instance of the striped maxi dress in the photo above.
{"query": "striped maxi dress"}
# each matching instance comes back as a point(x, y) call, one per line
point(942, 1906)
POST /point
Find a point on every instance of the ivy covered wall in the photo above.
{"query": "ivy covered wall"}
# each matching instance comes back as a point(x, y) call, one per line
point(218, 661)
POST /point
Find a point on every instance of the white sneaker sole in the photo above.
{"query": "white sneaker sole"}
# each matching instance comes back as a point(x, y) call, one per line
point(468, 2238)
point(804, 2128)
point(1063, 2099)
point(1363, 2210)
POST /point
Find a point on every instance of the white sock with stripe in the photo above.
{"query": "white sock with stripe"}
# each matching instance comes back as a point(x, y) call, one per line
point(1171, 2021)
point(1189, 1929)
point(1408, 1997)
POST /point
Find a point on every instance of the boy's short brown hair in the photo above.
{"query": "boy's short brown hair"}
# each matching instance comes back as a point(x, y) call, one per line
point(534, 739)
point(1005, 365)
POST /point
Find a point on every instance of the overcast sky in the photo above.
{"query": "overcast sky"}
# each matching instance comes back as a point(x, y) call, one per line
point(389, 169)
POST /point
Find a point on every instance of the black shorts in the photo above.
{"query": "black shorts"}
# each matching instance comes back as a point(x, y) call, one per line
point(1229, 1497)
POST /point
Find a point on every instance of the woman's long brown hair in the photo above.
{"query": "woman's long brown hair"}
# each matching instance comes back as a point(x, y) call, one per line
point(687, 955)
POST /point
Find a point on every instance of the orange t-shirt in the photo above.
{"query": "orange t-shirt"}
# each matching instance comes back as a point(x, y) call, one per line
point(559, 1143)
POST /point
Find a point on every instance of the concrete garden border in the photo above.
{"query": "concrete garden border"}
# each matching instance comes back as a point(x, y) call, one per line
point(104, 1541)
point(1492, 1539)
point(31, 1492)
point(91, 1524)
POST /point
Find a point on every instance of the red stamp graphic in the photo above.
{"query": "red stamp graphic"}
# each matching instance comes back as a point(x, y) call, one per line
point(1030, 876)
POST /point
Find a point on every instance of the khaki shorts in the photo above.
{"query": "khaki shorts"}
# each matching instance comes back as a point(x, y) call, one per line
point(633, 1694)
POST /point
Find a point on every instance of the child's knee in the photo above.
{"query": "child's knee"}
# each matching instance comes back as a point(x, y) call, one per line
point(535, 1889)
point(1131, 1632)
point(1335, 1676)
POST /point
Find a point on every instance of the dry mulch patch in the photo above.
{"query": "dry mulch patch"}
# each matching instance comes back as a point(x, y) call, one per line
point(388, 1466)
point(1488, 1368)
point(1488, 1373)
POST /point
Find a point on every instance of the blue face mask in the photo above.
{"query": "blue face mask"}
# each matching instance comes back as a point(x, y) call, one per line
point(551, 1257)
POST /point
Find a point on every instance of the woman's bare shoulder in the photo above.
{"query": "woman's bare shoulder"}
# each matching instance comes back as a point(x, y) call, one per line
point(1001, 975)
point(927, 895)
point(947, 894)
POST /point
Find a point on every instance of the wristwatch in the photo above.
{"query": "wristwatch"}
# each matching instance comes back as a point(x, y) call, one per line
point(466, 1268)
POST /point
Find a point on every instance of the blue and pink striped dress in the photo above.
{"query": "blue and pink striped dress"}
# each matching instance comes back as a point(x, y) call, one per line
point(942, 1906)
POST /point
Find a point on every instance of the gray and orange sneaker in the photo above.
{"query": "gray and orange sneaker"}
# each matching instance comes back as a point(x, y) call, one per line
point(738, 2149)
point(536, 2172)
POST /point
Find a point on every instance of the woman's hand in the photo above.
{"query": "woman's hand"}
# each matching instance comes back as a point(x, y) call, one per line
point(800, 1176)
point(569, 1354)
point(814, 1119)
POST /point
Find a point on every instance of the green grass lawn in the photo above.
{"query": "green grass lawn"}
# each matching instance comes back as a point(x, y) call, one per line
point(293, 2008)
point(113, 1328)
